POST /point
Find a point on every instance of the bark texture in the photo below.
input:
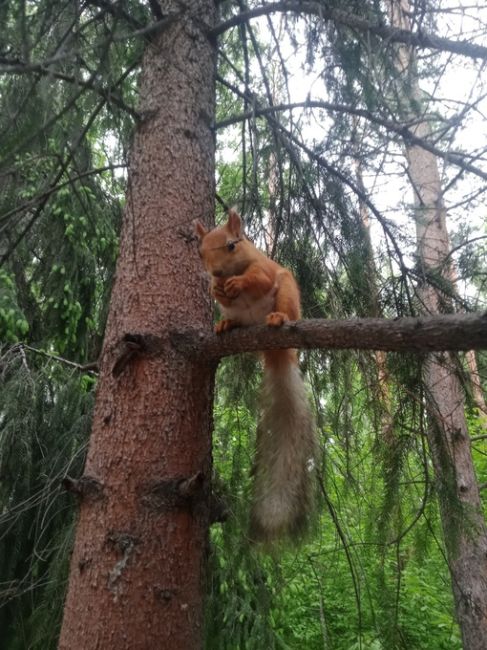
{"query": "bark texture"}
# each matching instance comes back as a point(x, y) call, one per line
point(476, 386)
point(137, 565)
point(461, 513)
point(435, 333)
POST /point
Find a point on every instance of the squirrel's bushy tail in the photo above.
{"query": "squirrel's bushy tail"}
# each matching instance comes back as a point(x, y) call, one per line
point(286, 453)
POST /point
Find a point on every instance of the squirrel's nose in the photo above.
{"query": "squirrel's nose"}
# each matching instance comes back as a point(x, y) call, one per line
point(217, 273)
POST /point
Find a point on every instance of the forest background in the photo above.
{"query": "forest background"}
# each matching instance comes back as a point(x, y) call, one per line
point(351, 136)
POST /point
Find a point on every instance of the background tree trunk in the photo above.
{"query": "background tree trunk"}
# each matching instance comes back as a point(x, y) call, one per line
point(137, 566)
point(461, 513)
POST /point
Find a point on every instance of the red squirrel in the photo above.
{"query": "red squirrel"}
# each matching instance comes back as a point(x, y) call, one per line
point(253, 289)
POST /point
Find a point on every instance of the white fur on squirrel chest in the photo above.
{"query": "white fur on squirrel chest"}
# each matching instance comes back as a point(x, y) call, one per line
point(249, 311)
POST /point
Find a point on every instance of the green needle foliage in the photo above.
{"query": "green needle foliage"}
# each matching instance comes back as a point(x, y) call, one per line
point(46, 415)
point(61, 188)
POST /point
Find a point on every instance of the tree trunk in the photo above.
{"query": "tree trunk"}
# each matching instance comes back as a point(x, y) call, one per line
point(137, 566)
point(383, 394)
point(476, 386)
point(461, 513)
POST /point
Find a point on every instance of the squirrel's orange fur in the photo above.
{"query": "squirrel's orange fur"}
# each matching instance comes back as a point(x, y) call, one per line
point(253, 289)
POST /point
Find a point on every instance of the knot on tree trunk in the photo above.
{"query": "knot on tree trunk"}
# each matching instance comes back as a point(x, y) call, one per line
point(181, 493)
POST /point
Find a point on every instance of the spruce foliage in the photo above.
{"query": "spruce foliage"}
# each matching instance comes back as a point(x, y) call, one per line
point(46, 414)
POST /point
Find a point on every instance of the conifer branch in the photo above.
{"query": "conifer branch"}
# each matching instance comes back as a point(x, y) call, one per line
point(417, 335)
point(55, 188)
point(456, 158)
point(419, 39)
point(45, 69)
point(291, 139)
point(59, 172)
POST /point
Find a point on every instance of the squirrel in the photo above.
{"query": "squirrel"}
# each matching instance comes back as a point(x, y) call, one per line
point(252, 289)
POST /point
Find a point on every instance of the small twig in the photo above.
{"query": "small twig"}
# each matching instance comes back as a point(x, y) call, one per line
point(152, 28)
point(91, 368)
point(477, 438)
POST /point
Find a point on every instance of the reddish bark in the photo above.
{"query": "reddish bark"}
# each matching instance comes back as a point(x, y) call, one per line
point(425, 334)
point(137, 565)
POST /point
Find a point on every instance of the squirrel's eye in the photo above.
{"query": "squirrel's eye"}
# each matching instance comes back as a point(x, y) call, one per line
point(231, 246)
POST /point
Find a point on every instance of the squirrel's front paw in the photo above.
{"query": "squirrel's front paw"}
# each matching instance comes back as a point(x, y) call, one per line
point(225, 325)
point(218, 292)
point(233, 286)
point(276, 318)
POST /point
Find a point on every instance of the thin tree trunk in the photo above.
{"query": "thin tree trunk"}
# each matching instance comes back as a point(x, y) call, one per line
point(137, 566)
point(461, 514)
point(383, 391)
point(476, 385)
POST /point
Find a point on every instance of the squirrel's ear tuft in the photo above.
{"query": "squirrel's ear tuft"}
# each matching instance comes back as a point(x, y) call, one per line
point(234, 223)
point(199, 229)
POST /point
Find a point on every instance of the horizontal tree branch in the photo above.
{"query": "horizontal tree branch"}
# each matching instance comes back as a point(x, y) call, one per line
point(419, 38)
point(419, 335)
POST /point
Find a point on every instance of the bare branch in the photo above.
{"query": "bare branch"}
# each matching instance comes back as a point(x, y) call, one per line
point(90, 368)
point(477, 438)
point(419, 335)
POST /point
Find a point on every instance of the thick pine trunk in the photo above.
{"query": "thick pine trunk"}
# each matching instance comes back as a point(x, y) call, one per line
point(461, 513)
point(136, 572)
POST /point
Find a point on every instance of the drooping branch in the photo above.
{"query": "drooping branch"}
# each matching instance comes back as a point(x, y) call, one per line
point(46, 69)
point(419, 335)
point(403, 130)
point(60, 171)
point(291, 139)
point(55, 188)
point(419, 38)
